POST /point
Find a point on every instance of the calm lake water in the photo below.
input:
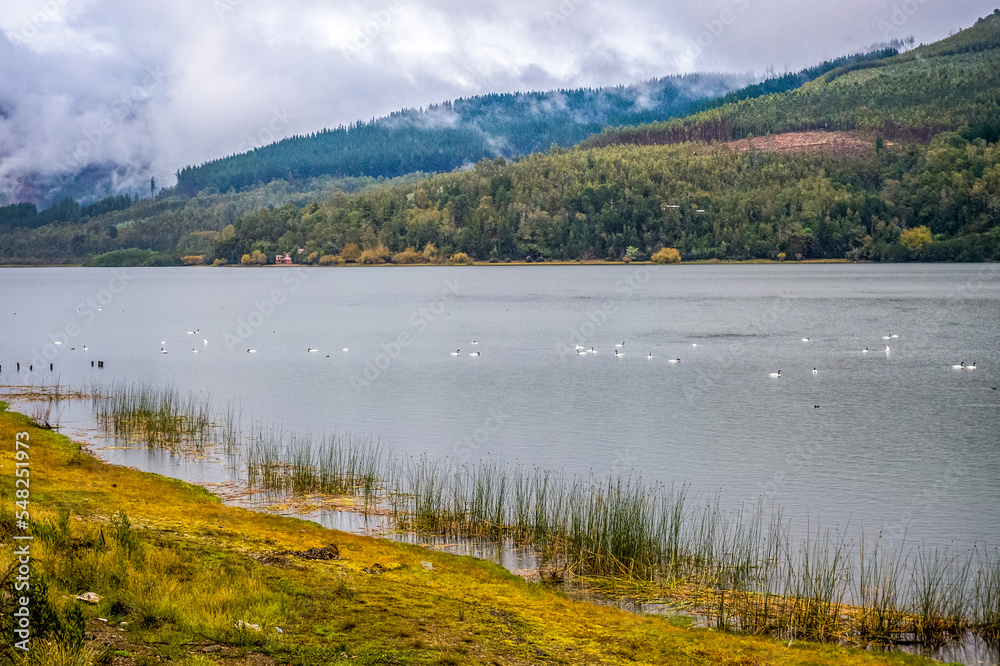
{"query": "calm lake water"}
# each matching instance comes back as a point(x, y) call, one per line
point(897, 441)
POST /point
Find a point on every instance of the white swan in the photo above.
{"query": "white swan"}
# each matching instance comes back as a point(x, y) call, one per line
point(805, 339)
point(194, 351)
point(345, 349)
point(312, 350)
point(673, 360)
point(58, 342)
point(971, 367)
point(456, 352)
point(474, 354)
point(886, 337)
point(621, 345)
point(85, 348)
point(593, 351)
point(618, 354)
point(865, 350)
point(650, 356)
point(204, 341)
point(162, 350)
point(959, 366)
point(815, 372)
point(894, 335)
point(475, 342)
point(251, 351)
point(774, 374)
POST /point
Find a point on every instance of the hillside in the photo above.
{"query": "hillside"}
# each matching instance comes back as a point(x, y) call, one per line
point(911, 97)
point(877, 158)
point(448, 135)
point(445, 136)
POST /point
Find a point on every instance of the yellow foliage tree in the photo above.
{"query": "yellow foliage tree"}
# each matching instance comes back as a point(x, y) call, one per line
point(409, 256)
point(351, 252)
point(376, 255)
point(915, 238)
point(459, 258)
point(667, 255)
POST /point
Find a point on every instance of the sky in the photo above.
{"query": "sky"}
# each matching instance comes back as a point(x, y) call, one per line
point(155, 86)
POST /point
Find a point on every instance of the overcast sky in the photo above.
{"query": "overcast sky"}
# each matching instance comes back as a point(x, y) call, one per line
point(160, 85)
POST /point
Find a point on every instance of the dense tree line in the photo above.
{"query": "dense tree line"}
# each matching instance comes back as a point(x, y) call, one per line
point(707, 201)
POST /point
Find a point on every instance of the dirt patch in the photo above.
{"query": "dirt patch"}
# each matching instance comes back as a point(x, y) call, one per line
point(837, 144)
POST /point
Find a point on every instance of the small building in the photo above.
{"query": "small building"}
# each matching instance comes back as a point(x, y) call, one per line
point(282, 258)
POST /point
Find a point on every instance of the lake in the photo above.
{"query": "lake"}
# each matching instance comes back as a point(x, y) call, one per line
point(896, 441)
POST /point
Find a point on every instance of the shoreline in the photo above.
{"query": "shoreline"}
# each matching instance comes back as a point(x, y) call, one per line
point(692, 602)
point(379, 599)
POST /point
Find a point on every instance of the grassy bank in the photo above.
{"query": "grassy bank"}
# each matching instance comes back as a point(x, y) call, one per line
point(743, 569)
point(181, 578)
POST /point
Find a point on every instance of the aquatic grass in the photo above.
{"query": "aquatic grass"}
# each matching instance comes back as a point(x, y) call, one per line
point(744, 568)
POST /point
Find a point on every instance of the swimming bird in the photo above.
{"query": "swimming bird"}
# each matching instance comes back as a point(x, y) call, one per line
point(204, 341)
point(85, 348)
point(345, 349)
point(475, 342)
point(650, 356)
point(578, 347)
point(474, 354)
point(312, 350)
point(774, 374)
point(456, 352)
point(694, 344)
point(163, 342)
point(621, 345)
point(805, 339)
point(58, 342)
point(194, 351)
point(886, 337)
point(619, 354)
point(971, 367)
point(865, 350)
point(593, 351)
point(673, 360)
point(887, 349)
point(162, 350)
point(894, 335)
point(959, 366)
point(251, 351)
point(815, 372)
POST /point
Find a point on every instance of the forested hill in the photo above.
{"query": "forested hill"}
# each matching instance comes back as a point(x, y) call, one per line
point(928, 190)
point(446, 136)
point(910, 96)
